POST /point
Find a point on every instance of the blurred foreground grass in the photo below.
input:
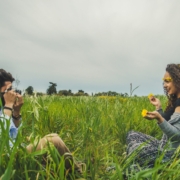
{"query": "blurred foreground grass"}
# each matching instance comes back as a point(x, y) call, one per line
point(93, 128)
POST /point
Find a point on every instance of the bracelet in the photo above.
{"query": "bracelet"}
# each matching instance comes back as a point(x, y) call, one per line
point(16, 117)
point(5, 107)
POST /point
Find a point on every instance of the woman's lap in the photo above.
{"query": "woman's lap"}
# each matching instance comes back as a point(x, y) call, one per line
point(146, 147)
point(136, 139)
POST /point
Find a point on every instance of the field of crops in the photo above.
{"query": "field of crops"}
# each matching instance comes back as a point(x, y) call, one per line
point(93, 128)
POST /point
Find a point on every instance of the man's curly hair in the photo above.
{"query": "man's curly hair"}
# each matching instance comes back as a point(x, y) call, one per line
point(174, 71)
point(5, 76)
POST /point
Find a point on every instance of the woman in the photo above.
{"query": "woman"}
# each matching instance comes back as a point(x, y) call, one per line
point(168, 122)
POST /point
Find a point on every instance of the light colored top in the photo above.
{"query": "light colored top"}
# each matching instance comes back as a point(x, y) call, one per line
point(171, 130)
point(13, 130)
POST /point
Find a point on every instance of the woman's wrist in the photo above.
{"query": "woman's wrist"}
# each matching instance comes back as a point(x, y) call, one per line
point(160, 120)
point(158, 107)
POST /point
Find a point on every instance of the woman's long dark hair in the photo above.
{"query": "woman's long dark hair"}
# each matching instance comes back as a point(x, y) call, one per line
point(174, 71)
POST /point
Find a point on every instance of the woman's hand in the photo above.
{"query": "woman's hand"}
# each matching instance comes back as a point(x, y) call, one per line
point(154, 115)
point(155, 102)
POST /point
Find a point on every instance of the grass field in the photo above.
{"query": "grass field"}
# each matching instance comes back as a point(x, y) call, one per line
point(94, 129)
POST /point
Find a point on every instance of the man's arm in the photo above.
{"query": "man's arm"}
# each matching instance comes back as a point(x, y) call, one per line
point(9, 97)
point(12, 107)
point(16, 110)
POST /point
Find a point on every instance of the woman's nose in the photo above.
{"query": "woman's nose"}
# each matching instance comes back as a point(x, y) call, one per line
point(164, 85)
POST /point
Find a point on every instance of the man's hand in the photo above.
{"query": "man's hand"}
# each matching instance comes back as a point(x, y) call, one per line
point(18, 104)
point(154, 115)
point(9, 97)
point(17, 108)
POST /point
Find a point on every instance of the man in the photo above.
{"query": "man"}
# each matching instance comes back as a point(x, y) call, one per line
point(11, 108)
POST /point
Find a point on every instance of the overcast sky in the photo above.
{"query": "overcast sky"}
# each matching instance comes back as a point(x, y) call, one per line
point(93, 45)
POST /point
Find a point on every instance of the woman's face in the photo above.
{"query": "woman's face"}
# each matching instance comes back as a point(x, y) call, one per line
point(169, 85)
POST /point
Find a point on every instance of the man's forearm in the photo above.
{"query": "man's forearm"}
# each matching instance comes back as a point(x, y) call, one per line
point(8, 109)
point(17, 122)
point(16, 118)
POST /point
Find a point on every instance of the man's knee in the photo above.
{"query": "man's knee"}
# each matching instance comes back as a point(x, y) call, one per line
point(52, 135)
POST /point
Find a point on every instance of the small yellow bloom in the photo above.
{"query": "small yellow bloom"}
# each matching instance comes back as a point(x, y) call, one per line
point(169, 79)
point(150, 95)
point(144, 112)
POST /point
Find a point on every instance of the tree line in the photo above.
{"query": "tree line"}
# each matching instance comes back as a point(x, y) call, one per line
point(53, 91)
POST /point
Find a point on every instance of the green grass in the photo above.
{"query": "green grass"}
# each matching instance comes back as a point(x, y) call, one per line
point(93, 128)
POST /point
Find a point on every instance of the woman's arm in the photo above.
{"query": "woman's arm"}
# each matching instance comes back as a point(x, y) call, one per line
point(160, 111)
point(172, 127)
point(172, 130)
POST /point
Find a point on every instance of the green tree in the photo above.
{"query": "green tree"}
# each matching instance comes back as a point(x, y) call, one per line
point(81, 93)
point(29, 90)
point(39, 94)
point(109, 93)
point(52, 89)
point(65, 93)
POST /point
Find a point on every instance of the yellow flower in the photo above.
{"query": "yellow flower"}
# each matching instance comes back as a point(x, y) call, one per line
point(150, 95)
point(144, 112)
point(167, 79)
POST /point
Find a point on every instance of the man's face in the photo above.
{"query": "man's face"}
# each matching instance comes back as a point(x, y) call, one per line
point(7, 85)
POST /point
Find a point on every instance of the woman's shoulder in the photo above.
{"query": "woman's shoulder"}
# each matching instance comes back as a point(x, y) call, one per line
point(177, 102)
point(175, 118)
point(177, 105)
